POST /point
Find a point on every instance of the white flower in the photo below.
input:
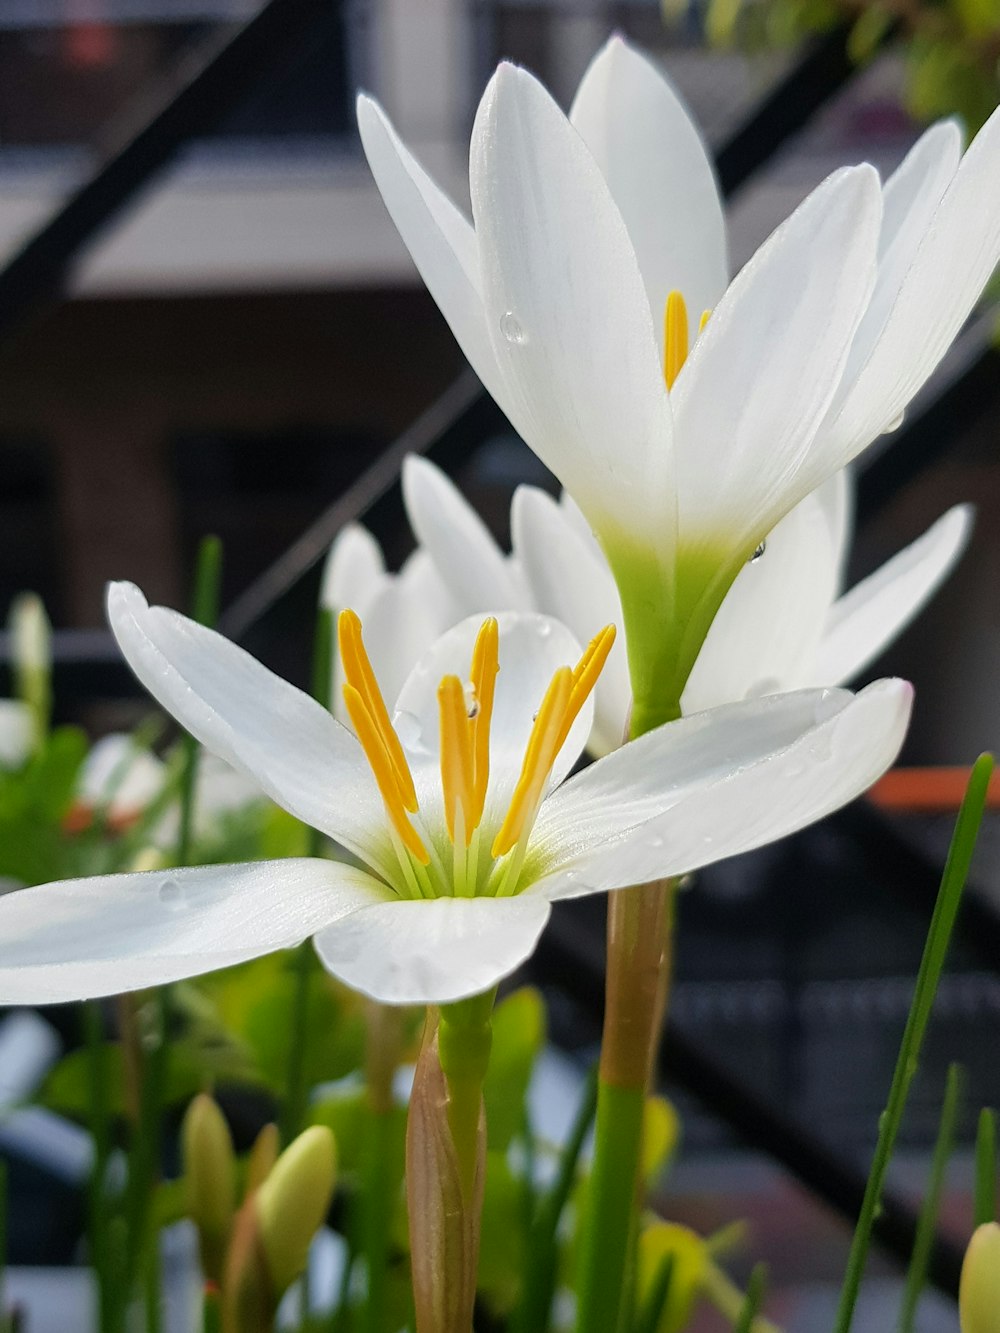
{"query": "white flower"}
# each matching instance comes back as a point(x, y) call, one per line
point(785, 624)
point(457, 862)
point(17, 731)
point(586, 229)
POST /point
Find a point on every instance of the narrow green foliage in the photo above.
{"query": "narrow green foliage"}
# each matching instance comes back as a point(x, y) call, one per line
point(651, 1311)
point(939, 936)
point(756, 1290)
point(986, 1167)
point(917, 1273)
point(542, 1252)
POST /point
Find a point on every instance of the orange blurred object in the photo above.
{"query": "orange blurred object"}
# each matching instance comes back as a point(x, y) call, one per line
point(928, 790)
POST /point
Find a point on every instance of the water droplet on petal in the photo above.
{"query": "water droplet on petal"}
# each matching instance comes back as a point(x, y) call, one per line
point(170, 894)
point(759, 550)
point(510, 327)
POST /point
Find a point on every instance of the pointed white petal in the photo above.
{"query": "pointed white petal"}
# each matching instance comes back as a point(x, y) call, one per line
point(567, 312)
point(354, 570)
point(477, 573)
point(910, 199)
point(660, 177)
point(951, 266)
point(532, 648)
point(710, 786)
point(435, 951)
point(80, 938)
point(16, 731)
point(439, 238)
point(570, 580)
point(765, 635)
point(870, 616)
point(759, 379)
point(264, 727)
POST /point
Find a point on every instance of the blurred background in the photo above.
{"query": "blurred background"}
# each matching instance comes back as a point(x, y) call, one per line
point(209, 324)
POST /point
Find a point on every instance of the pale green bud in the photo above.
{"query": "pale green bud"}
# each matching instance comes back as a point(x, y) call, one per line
point(210, 1174)
point(31, 658)
point(979, 1291)
point(293, 1201)
point(668, 1241)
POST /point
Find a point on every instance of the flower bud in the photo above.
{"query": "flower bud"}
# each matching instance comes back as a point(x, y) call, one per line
point(263, 1156)
point(209, 1170)
point(293, 1201)
point(685, 1250)
point(31, 658)
point(979, 1291)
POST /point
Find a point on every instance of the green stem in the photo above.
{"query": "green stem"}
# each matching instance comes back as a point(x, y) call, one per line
point(464, 1041)
point(916, 1274)
point(211, 1311)
point(205, 610)
point(99, 1123)
point(377, 1201)
point(945, 910)
point(636, 986)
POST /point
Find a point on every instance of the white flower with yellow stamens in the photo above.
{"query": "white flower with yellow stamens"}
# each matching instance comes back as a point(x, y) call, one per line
point(683, 461)
point(452, 807)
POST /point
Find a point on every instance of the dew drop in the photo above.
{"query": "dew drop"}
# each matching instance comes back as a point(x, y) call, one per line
point(759, 550)
point(170, 893)
point(510, 327)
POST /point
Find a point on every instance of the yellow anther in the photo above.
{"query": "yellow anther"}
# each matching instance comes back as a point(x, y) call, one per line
point(485, 665)
point(457, 776)
point(539, 756)
point(358, 673)
point(585, 675)
point(675, 337)
point(706, 315)
point(377, 753)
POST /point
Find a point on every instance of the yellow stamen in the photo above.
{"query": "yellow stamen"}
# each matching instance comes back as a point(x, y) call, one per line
point(359, 674)
point(485, 665)
point(539, 756)
point(585, 675)
point(377, 752)
point(457, 778)
point(675, 337)
point(706, 315)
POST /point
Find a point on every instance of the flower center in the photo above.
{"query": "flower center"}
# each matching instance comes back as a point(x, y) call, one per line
point(675, 335)
point(465, 713)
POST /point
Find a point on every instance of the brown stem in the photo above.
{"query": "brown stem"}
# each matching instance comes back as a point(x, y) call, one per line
point(640, 922)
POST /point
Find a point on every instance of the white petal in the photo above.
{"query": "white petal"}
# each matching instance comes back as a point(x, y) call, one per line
point(475, 570)
point(719, 783)
point(958, 253)
point(354, 570)
point(660, 177)
point(86, 937)
point(870, 616)
point(439, 238)
point(570, 580)
point(765, 635)
point(567, 312)
point(265, 728)
point(836, 499)
point(434, 951)
point(16, 732)
point(532, 648)
point(910, 198)
point(760, 378)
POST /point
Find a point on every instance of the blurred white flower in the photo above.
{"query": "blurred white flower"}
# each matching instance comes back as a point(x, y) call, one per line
point(453, 809)
point(595, 234)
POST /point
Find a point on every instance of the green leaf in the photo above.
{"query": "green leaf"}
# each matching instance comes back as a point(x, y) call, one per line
point(868, 32)
point(518, 1036)
point(986, 1167)
point(949, 898)
point(502, 1241)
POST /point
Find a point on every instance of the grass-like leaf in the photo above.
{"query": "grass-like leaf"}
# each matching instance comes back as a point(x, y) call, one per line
point(956, 872)
point(986, 1167)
